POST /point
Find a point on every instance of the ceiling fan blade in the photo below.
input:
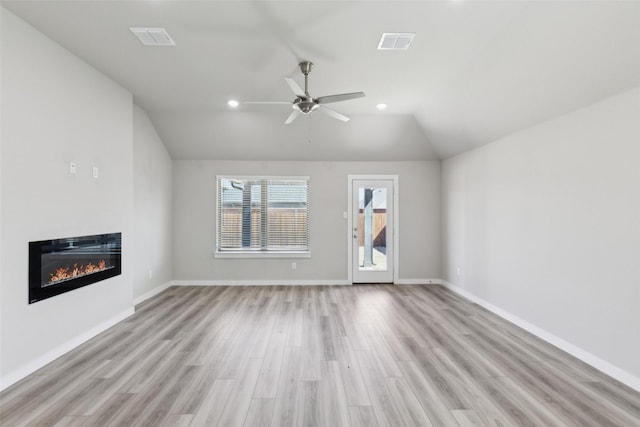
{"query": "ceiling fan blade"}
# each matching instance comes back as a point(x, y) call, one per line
point(340, 97)
point(268, 102)
point(331, 113)
point(295, 88)
point(292, 116)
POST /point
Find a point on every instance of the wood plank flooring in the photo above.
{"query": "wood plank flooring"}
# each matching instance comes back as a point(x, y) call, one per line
point(368, 355)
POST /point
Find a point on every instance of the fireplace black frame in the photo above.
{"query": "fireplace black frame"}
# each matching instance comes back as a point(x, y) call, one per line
point(111, 245)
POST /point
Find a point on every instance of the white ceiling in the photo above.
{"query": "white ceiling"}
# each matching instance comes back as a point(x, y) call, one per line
point(476, 71)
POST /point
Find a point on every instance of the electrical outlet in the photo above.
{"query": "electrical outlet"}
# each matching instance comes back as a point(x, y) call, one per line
point(459, 271)
point(72, 167)
point(150, 274)
point(95, 172)
point(294, 266)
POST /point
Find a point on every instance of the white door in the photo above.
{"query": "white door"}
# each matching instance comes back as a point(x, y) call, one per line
point(372, 230)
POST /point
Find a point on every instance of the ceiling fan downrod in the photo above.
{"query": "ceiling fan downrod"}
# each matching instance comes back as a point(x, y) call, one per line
point(306, 104)
point(306, 67)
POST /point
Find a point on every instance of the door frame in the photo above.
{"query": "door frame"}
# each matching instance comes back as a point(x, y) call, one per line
point(396, 222)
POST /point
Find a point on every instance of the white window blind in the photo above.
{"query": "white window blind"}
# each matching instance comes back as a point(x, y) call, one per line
point(262, 214)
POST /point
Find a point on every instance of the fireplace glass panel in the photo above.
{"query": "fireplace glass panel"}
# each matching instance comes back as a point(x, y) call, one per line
point(61, 265)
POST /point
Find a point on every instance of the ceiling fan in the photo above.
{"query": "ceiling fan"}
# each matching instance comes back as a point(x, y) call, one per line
point(305, 104)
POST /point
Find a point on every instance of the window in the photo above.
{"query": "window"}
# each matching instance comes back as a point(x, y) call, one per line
point(262, 216)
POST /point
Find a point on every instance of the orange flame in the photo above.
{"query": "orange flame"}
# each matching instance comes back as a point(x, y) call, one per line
point(64, 273)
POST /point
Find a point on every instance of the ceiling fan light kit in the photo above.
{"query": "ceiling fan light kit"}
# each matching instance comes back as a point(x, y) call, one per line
point(305, 103)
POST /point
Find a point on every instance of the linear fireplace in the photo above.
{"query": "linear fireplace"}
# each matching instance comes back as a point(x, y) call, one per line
point(62, 265)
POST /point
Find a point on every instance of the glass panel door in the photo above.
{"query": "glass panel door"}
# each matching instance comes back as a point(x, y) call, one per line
point(372, 231)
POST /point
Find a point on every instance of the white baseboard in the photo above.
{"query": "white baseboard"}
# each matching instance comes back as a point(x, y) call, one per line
point(289, 283)
point(258, 282)
point(418, 282)
point(589, 358)
point(153, 292)
point(50, 356)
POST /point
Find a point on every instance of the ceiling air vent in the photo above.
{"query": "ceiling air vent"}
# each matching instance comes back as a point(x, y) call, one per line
point(395, 41)
point(153, 36)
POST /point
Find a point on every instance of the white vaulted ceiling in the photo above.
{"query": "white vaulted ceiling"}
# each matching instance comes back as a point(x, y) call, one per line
point(475, 72)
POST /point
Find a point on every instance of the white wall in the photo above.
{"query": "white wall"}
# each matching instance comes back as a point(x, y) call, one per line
point(545, 225)
point(152, 179)
point(57, 109)
point(194, 220)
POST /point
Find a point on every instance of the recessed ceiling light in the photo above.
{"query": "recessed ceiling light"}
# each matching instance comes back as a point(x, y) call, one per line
point(381, 106)
point(153, 36)
point(395, 41)
point(232, 103)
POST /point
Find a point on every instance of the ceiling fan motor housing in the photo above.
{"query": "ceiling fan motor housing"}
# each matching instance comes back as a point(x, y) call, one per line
point(305, 105)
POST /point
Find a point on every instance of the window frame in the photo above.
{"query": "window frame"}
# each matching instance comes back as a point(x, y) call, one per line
point(260, 253)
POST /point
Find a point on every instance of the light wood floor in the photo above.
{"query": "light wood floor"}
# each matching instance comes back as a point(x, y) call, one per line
point(317, 356)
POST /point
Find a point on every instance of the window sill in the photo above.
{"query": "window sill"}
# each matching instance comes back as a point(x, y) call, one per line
point(263, 255)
